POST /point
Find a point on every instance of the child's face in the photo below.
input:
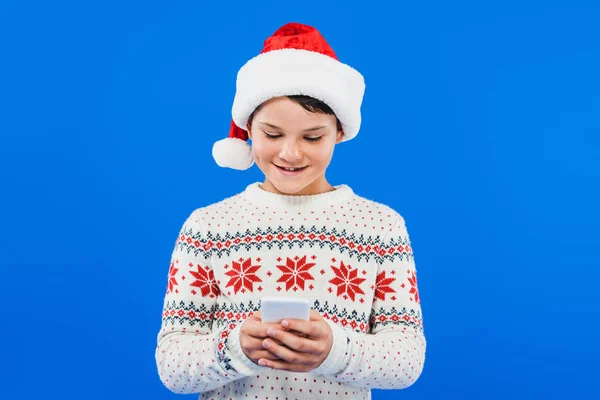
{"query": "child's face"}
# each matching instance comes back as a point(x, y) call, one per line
point(283, 135)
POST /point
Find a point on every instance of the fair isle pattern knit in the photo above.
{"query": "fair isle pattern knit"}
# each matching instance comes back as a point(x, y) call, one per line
point(351, 257)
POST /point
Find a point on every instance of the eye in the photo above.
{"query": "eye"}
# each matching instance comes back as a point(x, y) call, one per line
point(271, 136)
point(314, 139)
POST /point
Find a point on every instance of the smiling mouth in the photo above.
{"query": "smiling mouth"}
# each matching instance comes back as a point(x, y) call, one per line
point(287, 169)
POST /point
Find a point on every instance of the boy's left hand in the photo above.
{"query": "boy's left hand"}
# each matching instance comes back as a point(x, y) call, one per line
point(299, 354)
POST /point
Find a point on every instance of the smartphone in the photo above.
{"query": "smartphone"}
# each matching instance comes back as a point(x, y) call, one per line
point(275, 309)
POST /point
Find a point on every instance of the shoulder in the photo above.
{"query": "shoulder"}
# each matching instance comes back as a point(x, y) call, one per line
point(374, 207)
point(393, 225)
point(232, 202)
point(216, 212)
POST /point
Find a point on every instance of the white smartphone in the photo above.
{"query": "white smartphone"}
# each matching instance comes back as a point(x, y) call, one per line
point(275, 309)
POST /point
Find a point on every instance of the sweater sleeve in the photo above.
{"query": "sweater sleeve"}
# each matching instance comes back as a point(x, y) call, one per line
point(192, 354)
point(392, 354)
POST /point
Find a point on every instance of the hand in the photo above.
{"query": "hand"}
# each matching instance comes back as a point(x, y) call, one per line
point(252, 334)
point(295, 353)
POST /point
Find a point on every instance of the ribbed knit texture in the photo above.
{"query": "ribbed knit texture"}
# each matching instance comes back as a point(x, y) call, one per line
point(351, 257)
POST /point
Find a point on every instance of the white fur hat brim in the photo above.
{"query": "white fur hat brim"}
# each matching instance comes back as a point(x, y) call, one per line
point(287, 72)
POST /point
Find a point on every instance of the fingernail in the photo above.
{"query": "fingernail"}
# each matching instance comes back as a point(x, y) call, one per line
point(262, 363)
point(271, 331)
point(267, 344)
point(284, 323)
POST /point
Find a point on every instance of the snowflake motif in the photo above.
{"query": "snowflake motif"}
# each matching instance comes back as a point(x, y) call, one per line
point(347, 281)
point(383, 286)
point(172, 281)
point(205, 281)
point(295, 273)
point(414, 289)
point(243, 274)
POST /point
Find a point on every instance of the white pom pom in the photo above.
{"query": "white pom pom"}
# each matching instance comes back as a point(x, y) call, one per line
point(233, 153)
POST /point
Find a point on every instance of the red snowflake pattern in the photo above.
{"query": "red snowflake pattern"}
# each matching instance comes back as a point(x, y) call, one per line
point(243, 275)
point(295, 273)
point(172, 281)
point(414, 289)
point(383, 286)
point(347, 281)
point(205, 281)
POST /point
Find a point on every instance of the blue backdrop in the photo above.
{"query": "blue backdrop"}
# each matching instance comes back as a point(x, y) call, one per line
point(481, 127)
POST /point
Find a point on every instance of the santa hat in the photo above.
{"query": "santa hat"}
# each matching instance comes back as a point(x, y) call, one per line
point(296, 60)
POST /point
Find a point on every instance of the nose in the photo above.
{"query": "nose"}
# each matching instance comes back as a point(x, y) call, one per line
point(290, 151)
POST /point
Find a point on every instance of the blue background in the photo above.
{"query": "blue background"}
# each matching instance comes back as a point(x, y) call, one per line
point(481, 127)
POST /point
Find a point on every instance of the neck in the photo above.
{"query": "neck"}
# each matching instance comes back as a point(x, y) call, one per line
point(260, 196)
point(317, 187)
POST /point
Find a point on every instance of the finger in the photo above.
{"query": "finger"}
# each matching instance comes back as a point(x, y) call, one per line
point(308, 328)
point(255, 344)
point(284, 366)
point(257, 329)
point(303, 335)
point(299, 342)
point(257, 350)
point(261, 341)
point(295, 343)
point(315, 316)
point(285, 353)
point(265, 354)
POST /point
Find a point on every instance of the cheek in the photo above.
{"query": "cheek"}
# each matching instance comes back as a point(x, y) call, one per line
point(323, 153)
point(263, 149)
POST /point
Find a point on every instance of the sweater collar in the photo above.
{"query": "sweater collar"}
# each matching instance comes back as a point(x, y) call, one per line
point(258, 196)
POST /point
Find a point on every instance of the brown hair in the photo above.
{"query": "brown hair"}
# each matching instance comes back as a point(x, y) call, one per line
point(309, 104)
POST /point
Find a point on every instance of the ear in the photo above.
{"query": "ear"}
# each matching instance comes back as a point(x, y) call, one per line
point(339, 136)
point(249, 130)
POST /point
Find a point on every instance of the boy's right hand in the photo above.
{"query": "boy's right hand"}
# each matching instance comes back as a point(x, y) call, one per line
point(252, 335)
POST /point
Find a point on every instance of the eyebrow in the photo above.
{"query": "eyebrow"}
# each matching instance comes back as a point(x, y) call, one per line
point(315, 128)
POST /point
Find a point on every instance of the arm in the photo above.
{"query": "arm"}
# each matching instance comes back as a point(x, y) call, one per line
point(192, 356)
point(392, 355)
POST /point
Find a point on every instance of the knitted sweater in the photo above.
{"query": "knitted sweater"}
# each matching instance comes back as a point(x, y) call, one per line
point(351, 257)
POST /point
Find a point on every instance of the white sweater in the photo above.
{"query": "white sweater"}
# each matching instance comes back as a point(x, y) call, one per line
point(351, 257)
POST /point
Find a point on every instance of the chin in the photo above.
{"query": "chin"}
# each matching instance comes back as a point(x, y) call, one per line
point(290, 188)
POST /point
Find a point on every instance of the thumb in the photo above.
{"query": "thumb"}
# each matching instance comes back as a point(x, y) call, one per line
point(315, 316)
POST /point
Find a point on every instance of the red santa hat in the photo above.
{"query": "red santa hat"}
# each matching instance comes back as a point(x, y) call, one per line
point(295, 60)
